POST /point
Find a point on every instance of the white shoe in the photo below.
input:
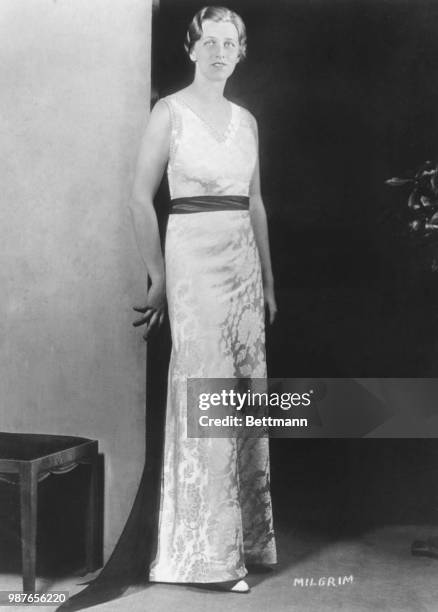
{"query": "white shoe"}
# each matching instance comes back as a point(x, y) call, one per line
point(230, 586)
point(240, 587)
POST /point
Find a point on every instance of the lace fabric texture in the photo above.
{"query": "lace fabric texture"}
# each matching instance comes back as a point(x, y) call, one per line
point(201, 163)
point(215, 507)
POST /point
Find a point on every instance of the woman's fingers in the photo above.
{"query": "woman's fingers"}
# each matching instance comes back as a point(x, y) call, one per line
point(142, 308)
point(152, 324)
point(273, 315)
point(152, 318)
point(144, 319)
point(272, 309)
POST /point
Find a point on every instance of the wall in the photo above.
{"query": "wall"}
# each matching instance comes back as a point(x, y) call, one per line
point(73, 102)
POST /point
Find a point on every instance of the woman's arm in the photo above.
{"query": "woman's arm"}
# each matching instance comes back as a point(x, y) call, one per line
point(152, 160)
point(260, 227)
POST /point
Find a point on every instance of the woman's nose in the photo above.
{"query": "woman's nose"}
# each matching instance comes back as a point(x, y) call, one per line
point(220, 49)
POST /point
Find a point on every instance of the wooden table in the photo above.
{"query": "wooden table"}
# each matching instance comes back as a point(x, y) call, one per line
point(26, 459)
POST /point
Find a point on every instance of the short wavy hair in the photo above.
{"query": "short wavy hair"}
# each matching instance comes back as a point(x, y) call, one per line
point(215, 13)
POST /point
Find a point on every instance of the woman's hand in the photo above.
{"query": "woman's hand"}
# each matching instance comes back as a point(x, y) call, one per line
point(270, 303)
point(153, 312)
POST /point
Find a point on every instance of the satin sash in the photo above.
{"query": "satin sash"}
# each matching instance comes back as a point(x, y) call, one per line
point(208, 203)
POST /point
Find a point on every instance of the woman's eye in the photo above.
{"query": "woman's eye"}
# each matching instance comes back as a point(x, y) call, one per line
point(230, 44)
point(208, 42)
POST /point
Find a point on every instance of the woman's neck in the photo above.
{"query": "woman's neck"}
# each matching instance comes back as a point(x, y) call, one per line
point(206, 91)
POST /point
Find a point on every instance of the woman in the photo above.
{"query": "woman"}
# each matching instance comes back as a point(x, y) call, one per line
point(215, 510)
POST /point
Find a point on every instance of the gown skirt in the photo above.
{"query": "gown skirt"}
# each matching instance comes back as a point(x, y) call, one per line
point(215, 511)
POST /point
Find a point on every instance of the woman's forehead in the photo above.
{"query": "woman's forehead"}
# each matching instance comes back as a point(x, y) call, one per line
point(219, 29)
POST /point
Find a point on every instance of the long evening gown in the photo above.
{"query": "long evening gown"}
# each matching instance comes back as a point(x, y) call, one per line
point(215, 507)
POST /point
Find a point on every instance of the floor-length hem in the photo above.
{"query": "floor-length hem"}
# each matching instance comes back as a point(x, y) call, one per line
point(196, 579)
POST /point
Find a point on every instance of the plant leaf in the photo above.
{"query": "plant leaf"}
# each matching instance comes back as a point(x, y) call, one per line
point(434, 182)
point(414, 200)
point(397, 182)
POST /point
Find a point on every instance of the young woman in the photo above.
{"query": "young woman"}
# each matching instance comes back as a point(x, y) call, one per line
point(215, 508)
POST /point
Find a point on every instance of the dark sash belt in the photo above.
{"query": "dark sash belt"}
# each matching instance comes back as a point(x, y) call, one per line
point(208, 203)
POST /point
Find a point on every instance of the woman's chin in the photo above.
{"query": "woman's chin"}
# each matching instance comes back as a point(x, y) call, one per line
point(218, 75)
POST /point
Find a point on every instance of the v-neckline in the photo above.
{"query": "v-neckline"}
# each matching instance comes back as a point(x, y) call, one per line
point(227, 134)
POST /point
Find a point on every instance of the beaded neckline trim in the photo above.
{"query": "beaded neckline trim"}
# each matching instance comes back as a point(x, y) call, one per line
point(230, 130)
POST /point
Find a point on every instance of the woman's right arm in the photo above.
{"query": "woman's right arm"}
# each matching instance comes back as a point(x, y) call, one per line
point(152, 160)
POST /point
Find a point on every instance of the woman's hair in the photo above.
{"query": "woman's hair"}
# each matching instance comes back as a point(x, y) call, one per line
point(215, 13)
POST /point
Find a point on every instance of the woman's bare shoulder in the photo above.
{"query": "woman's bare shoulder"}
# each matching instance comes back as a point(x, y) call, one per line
point(173, 97)
point(161, 106)
point(245, 113)
point(160, 116)
point(247, 117)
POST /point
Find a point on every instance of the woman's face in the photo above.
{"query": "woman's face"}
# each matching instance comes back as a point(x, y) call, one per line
point(217, 52)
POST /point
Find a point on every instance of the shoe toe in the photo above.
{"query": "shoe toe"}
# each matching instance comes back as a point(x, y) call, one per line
point(240, 587)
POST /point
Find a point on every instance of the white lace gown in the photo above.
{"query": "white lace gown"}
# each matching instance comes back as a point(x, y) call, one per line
point(215, 507)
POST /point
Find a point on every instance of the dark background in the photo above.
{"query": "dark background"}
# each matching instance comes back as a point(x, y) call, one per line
point(345, 97)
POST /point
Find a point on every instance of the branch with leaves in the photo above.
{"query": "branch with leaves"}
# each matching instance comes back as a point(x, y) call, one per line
point(422, 200)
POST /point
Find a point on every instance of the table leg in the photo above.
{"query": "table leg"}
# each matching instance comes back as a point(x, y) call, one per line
point(28, 511)
point(92, 517)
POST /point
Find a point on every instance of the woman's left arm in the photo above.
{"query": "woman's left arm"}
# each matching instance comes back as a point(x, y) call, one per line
point(260, 227)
